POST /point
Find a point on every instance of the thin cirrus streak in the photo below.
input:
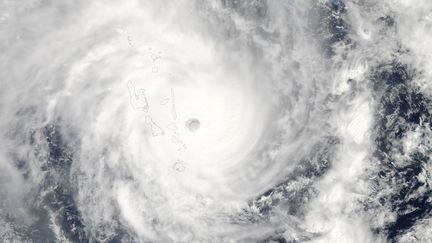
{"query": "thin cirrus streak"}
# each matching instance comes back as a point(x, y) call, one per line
point(215, 121)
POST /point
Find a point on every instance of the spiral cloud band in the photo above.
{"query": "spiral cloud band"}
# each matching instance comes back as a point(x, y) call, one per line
point(215, 121)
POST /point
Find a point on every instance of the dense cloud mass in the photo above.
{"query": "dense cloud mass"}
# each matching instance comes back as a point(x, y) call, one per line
point(216, 121)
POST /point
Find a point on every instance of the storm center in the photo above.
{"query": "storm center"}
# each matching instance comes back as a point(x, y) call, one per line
point(193, 124)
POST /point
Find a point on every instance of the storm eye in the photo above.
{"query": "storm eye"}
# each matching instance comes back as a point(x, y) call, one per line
point(193, 124)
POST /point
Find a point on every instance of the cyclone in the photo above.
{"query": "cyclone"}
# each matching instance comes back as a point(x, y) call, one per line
point(215, 121)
